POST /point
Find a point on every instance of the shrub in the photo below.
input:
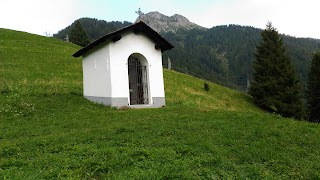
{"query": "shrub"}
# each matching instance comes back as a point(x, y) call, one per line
point(206, 86)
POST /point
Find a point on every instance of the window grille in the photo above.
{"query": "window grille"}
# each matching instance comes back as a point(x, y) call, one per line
point(138, 82)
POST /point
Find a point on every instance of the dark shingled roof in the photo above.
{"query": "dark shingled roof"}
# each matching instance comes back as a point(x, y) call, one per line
point(137, 28)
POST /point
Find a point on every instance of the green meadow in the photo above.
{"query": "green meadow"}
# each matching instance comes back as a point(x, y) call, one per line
point(49, 131)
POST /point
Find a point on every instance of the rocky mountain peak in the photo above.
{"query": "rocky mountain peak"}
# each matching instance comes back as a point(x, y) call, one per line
point(160, 22)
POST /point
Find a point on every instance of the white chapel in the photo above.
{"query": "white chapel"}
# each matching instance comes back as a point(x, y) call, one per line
point(124, 68)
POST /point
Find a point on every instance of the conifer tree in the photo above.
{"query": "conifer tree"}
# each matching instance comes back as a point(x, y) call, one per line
point(78, 35)
point(313, 93)
point(275, 87)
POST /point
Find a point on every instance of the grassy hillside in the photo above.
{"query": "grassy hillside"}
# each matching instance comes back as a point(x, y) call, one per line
point(49, 131)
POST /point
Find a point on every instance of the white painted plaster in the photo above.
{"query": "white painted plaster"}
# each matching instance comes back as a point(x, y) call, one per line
point(110, 76)
point(139, 44)
point(96, 77)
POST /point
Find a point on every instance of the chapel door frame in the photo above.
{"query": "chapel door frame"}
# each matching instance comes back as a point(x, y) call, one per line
point(138, 80)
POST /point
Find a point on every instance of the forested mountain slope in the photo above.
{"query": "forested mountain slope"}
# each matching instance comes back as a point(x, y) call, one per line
point(95, 28)
point(222, 54)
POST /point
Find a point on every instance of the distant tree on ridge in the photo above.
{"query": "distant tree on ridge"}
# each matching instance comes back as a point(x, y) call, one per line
point(78, 35)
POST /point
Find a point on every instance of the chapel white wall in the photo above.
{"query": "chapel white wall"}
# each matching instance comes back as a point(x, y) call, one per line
point(120, 51)
point(96, 72)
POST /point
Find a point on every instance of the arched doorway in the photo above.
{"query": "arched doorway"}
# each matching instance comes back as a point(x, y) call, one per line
point(138, 80)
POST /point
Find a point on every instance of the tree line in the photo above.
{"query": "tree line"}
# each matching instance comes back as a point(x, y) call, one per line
point(93, 28)
point(281, 71)
point(222, 54)
point(225, 54)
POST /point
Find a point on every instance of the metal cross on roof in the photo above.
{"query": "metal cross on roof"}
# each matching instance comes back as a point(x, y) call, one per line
point(139, 12)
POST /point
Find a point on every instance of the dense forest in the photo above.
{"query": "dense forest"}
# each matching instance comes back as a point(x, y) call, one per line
point(222, 54)
point(95, 28)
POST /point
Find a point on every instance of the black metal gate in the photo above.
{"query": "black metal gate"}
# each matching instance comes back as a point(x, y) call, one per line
point(138, 82)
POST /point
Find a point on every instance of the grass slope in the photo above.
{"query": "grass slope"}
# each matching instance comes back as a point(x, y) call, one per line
point(49, 131)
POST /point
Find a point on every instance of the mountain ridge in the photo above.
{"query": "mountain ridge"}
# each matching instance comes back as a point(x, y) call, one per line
point(163, 23)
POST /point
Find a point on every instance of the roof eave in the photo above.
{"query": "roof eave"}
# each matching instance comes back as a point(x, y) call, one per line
point(141, 27)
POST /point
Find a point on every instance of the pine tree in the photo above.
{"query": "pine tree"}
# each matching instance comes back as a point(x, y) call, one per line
point(78, 35)
point(275, 87)
point(313, 93)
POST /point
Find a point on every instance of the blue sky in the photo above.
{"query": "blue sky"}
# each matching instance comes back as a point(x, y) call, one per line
point(293, 17)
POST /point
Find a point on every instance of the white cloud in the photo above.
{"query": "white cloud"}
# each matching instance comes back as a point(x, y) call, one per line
point(292, 17)
point(37, 16)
